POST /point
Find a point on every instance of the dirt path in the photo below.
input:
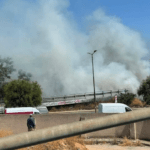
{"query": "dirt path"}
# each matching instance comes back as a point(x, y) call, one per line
point(115, 147)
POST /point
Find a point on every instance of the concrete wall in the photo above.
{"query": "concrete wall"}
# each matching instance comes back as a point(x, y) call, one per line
point(17, 123)
point(141, 130)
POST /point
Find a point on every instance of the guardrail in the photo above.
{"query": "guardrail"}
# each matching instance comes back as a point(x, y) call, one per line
point(73, 96)
point(83, 95)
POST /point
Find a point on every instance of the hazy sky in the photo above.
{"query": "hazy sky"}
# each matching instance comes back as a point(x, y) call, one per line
point(51, 38)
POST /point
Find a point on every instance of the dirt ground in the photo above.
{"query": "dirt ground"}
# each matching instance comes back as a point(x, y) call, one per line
point(115, 147)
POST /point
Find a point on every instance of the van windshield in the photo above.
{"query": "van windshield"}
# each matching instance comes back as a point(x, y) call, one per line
point(128, 109)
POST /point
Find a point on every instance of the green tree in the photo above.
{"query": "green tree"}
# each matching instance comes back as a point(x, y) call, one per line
point(126, 98)
point(22, 93)
point(144, 90)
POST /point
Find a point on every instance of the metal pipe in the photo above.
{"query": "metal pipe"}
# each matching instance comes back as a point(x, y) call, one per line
point(72, 129)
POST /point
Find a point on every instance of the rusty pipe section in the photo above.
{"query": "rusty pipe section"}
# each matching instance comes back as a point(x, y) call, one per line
point(67, 130)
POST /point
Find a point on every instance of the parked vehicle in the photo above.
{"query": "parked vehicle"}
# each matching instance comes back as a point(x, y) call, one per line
point(42, 109)
point(2, 110)
point(113, 108)
point(22, 110)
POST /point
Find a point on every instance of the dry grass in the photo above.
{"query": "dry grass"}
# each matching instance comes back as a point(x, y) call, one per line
point(53, 109)
point(85, 106)
point(127, 142)
point(115, 141)
point(104, 142)
point(137, 103)
point(4, 132)
point(72, 143)
point(137, 143)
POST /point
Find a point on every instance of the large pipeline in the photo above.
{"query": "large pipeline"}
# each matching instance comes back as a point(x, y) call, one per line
point(67, 130)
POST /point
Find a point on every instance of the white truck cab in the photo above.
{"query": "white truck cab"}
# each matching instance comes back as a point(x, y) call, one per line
point(113, 108)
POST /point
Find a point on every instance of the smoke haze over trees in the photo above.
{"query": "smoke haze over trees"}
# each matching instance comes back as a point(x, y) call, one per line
point(23, 75)
point(43, 38)
point(6, 68)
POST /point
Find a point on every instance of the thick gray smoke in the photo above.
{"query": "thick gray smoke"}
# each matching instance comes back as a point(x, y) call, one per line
point(43, 39)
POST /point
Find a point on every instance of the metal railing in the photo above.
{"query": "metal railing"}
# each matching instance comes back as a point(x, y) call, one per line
point(82, 95)
point(73, 96)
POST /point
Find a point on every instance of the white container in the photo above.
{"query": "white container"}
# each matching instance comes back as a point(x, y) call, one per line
point(42, 109)
point(113, 108)
point(21, 110)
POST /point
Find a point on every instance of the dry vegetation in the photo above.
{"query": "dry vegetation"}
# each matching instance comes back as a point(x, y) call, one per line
point(137, 103)
point(72, 143)
point(85, 106)
point(127, 142)
point(5, 132)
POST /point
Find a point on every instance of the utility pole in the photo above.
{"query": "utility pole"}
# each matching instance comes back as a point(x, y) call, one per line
point(93, 77)
point(149, 62)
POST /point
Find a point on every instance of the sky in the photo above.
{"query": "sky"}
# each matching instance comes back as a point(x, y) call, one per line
point(50, 39)
point(132, 13)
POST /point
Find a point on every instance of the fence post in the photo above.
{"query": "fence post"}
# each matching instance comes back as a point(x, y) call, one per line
point(103, 96)
point(134, 130)
point(64, 97)
point(125, 91)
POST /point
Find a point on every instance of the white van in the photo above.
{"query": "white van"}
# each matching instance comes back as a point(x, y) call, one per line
point(21, 110)
point(113, 108)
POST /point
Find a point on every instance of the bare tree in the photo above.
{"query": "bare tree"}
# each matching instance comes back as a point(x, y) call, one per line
point(6, 68)
point(24, 76)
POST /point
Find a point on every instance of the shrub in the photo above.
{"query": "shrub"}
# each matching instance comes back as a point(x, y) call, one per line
point(126, 98)
point(112, 100)
point(127, 142)
point(22, 93)
point(144, 90)
point(137, 102)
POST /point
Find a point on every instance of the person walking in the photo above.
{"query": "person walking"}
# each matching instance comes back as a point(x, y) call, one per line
point(31, 124)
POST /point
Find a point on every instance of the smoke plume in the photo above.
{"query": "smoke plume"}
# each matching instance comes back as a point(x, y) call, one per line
point(43, 39)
